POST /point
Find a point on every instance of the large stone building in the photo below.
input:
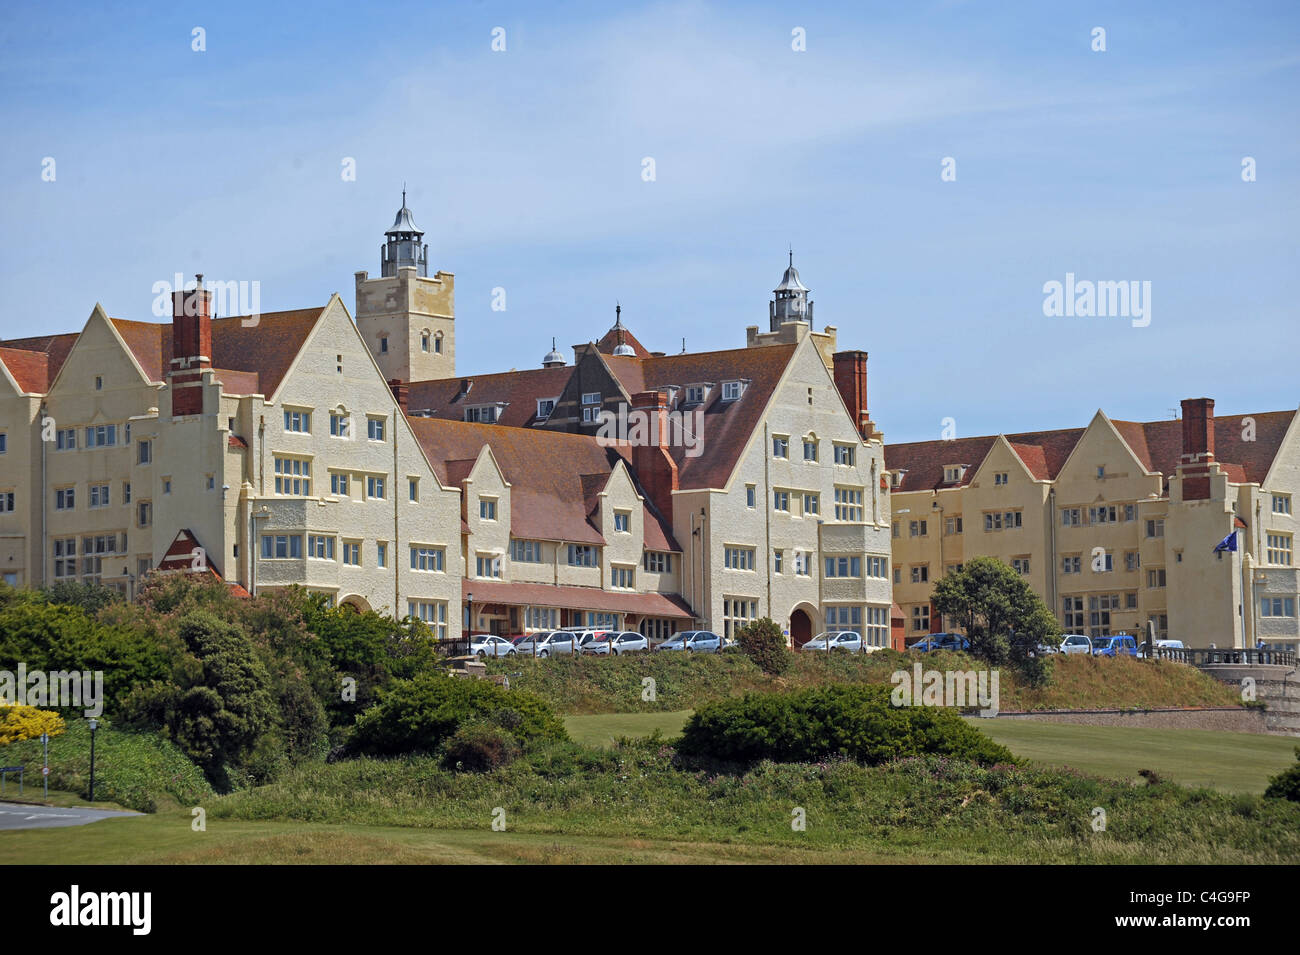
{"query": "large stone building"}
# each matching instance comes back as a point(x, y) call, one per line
point(1115, 525)
point(631, 489)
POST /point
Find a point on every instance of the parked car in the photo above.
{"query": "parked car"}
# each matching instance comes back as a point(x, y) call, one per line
point(941, 641)
point(628, 641)
point(698, 641)
point(1115, 646)
point(546, 643)
point(1170, 645)
point(849, 640)
point(581, 638)
point(1076, 643)
point(487, 645)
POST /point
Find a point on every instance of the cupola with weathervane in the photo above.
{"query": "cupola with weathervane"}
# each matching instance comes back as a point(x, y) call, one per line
point(790, 302)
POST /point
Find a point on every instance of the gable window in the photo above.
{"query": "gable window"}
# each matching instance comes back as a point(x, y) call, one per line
point(487, 508)
point(810, 449)
point(339, 424)
point(375, 429)
point(750, 495)
point(413, 489)
point(1000, 477)
point(780, 447)
point(623, 522)
point(591, 397)
point(590, 414)
point(297, 422)
point(845, 454)
point(1281, 503)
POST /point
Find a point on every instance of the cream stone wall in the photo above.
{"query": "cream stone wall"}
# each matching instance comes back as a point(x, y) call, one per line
point(20, 528)
point(401, 307)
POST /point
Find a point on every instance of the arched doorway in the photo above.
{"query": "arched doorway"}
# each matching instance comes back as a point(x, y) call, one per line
point(354, 603)
point(800, 628)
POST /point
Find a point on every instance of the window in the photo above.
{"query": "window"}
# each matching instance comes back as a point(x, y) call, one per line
point(487, 508)
point(432, 612)
point(845, 454)
point(850, 567)
point(281, 546)
point(4, 442)
point(1156, 528)
point(781, 501)
point(424, 341)
point(918, 529)
point(1070, 517)
point(413, 489)
point(1106, 514)
point(144, 452)
point(381, 554)
point(591, 397)
point(898, 575)
point(375, 429)
point(1074, 621)
point(545, 618)
point(100, 495)
point(999, 478)
point(339, 484)
point(952, 525)
point(1279, 549)
point(750, 496)
point(487, 565)
point(694, 394)
point(895, 531)
point(340, 425)
point(1101, 470)
point(848, 504)
point(738, 558)
point(736, 613)
point(144, 513)
point(778, 558)
point(484, 414)
point(658, 562)
point(992, 522)
point(1277, 607)
point(621, 578)
point(320, 547)
point(1130, 512)
point(383, 345)
point(1131, 600)
point(657, 628)
point(1131, 560)
point(1020, 565)
point(1071, 565)
point(352, 553)
point(921, 618)
point(730, 390)
point(780, 447)
point(582, 555)
point(526, 552)
point(1281, 503)
point(878, 567)
point(65, 557)
point(623, 522)
point(211, 482)
point(293, 477)
point(437, 343)
point(101, 436)
point(802, 563)
point(338, 364)
point(1156, 577)
point(812, 503)
point(6, 502)
point(545, 406)
point(167, 485)
point(590, 415)
point(298, 422)
point(427, 558)
point(66, 440)
point(921, 574)
point(876, 633)
point(375, 489)
point(601, 621)
point(810, 449)
point(1099, 609)
point(65, 498)
point(1103, 563)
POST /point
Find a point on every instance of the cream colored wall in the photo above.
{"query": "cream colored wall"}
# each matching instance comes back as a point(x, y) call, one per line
point(400, 307)
point(20, 530)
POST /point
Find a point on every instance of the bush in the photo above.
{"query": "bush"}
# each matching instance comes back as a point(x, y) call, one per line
point(851, 722)
point(1286, 784)
point(763, 642)
point(418, 715)
point(19, 722)
point(480, 748)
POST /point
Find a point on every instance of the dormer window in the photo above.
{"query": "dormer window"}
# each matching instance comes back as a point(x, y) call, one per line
point(952, 473)
point(732, 390)
point(694, 394)
point(896, 478)
point(485, 414)
point(545, 407)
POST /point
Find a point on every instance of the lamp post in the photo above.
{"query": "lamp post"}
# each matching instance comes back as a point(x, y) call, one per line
point(94, 725)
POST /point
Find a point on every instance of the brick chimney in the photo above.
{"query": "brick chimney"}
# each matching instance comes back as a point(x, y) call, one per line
point(191, 347)
point(653, 462)
point(1198, 448)
point(850, 373)
point(401, 391)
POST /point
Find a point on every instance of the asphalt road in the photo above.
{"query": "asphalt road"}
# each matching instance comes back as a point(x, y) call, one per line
point(17, 816)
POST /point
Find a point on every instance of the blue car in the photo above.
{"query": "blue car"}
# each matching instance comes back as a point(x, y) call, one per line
point(941, 641)
point(1119, 646)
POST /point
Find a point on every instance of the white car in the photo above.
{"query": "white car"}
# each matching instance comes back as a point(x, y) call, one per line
point(1076, 643)
point(487, 645)
point(628, 641)
point(547, 643)
point(698, 641)
point(849, 640)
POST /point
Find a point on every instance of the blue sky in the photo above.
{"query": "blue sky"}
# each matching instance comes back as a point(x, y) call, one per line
point(524, 168)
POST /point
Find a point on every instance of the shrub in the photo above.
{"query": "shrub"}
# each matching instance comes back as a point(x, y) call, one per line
point(480, 748)
point(19, 722)
point(1286, 784)
point(763, 642)
point(851, 722)
point(419, 714)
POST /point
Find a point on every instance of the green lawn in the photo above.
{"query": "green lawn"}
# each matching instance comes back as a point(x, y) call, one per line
point(1230, 762)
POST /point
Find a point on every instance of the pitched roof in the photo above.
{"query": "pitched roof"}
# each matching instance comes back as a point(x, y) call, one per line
point(552, 475)
point(34, 362)
point(609, 341)
point(1157, 445)
point(519, 391)
point(727, 425)
point(576, 598)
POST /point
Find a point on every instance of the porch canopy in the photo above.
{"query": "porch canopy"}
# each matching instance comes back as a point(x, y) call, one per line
point(575, 598)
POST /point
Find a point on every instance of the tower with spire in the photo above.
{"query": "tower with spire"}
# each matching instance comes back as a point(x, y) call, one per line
point(406, 316)
point(790, 316)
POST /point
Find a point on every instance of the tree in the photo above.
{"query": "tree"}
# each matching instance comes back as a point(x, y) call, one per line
point(762, 641)
point(1004, 619)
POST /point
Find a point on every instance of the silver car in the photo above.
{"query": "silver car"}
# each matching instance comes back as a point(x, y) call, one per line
point(547, 643)
point(849, 640)
point(1076, 643)
point(628, 641)
point(698, 641)
point(487, 645)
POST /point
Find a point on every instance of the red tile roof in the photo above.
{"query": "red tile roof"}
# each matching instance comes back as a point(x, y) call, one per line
point(575, 598)
point(518, 390)
point(609, 341)
point(34, 362)
point(551, 474)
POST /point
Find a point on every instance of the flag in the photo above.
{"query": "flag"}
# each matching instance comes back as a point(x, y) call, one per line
point(1228, 543)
